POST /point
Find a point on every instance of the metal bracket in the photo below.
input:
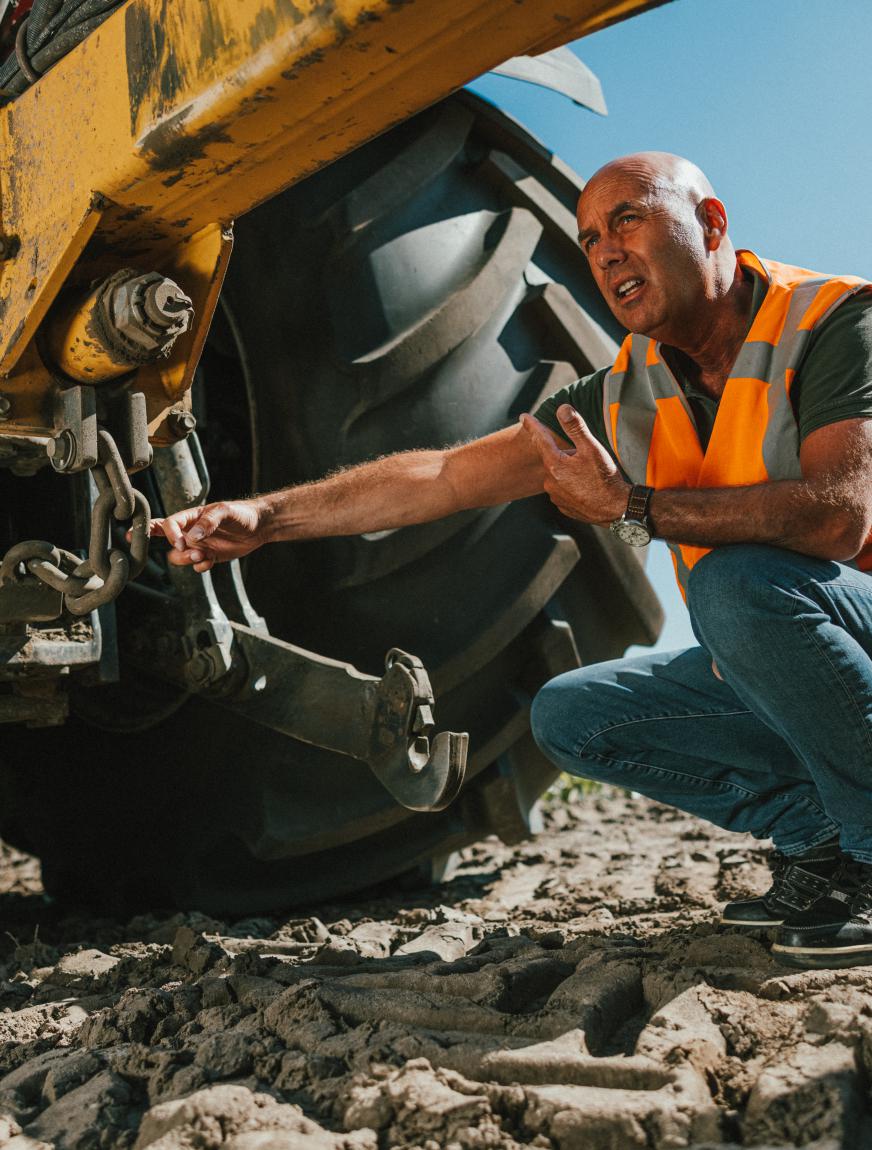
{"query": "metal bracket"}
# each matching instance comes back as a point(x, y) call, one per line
point(387, 722)
point(230, 657)
point(74, 447)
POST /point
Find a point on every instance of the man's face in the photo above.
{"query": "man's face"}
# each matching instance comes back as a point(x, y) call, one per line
point(647, 253)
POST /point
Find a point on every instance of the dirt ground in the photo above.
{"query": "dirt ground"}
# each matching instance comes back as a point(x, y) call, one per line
point(573, 992)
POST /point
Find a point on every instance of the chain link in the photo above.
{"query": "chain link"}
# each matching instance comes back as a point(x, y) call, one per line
point(92, 582)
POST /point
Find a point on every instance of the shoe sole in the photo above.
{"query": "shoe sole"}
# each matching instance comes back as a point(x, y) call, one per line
point(823, 958)
point(752, 924)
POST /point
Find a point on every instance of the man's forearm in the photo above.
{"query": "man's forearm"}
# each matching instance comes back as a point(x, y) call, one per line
point(411, 487)
point(392, 492)
point(816, 517)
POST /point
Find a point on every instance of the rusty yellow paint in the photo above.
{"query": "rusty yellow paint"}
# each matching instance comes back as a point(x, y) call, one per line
point(199, 264)
point(39, 270)
point(73, 346)
point(31, 392)
point(176, 116)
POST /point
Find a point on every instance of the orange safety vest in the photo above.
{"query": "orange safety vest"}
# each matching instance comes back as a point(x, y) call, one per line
point(755, 437)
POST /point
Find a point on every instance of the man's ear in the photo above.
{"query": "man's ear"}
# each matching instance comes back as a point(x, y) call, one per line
point(713, 217)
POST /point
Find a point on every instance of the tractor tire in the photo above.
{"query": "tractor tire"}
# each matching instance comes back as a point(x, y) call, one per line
point(422, 291)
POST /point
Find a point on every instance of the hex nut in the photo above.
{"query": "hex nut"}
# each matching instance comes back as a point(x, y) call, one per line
point(150, 311)
point(180, 423)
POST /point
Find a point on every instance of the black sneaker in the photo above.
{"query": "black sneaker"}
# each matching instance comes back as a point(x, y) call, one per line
point(798, 882)
point(837, 930)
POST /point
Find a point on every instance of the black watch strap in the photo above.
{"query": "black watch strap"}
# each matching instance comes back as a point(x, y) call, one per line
point(637, 504)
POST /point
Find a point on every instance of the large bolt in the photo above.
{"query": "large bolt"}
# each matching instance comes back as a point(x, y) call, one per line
point(200, 670)
point(180, 423)
point(62, 450)
point(128, 319)
point(149, 311)
point(5, 407)
point(166, 304)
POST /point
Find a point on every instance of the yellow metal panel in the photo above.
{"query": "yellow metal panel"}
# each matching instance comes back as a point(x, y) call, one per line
point(175, 116)
point(32, 279)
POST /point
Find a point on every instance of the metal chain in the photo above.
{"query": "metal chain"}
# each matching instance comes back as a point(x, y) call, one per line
point(89, 583)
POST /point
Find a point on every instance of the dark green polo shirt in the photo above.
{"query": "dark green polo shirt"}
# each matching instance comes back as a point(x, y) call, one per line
point(833, 382)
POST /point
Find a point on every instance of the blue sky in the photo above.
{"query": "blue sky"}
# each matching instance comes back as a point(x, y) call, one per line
point(771, 98)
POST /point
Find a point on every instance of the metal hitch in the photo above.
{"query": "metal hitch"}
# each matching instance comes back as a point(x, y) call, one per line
point(387, 723)
point(208, 638)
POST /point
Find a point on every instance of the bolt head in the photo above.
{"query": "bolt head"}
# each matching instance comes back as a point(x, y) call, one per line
point(199, 670)
point(5, 407)
point(62, 450)
point(180, 423)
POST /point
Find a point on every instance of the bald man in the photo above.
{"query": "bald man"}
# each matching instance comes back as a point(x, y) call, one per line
point(735, 424)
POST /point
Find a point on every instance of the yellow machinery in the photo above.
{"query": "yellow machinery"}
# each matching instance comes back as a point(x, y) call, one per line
point(146, 142)
point(124, 168)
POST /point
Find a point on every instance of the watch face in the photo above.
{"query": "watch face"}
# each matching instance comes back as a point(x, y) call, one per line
point(632, 531)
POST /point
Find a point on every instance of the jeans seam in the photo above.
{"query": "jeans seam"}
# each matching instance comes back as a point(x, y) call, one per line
point(580, 748)
point(709, 783)
point(836, 585)
point(852, 703)
point(824, 837)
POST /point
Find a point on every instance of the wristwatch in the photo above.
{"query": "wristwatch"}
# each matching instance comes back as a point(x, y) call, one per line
point(634, 527)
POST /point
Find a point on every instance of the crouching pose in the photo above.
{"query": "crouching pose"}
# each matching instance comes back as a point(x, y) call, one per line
point(736, 424)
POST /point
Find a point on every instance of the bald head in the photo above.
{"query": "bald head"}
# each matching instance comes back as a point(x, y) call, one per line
point(655, 236)
point(661, 173)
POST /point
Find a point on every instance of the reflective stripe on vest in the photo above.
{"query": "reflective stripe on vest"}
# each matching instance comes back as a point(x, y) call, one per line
point(755, 437)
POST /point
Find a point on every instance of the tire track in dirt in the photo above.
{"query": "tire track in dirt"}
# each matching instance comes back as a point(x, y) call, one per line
point(572, 992)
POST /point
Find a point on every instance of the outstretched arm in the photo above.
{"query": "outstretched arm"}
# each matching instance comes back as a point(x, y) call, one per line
point(398, 490)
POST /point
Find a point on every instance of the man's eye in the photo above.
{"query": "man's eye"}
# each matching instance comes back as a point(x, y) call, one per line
point(627, 216)
point(588, 243)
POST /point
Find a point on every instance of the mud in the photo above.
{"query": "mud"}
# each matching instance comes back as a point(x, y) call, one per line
point(573, 992)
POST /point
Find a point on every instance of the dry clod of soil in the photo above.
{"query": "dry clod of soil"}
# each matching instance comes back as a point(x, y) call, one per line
point(571, 993)
point(237, 1118)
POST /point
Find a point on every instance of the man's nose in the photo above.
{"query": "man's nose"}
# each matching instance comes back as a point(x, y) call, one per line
point(608, 252)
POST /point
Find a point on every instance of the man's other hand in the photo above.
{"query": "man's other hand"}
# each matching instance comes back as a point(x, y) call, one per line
point(582, 481)
point(202, 536)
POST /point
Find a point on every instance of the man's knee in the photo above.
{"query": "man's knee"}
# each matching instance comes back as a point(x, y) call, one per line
point(732, 590)
point(557, 723)
point(548, 720)
point(729, 582)
point(565, 711)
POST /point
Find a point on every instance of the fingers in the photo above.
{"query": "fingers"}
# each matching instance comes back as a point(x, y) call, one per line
point(572, 423)
point(207, 523)
point(180, 558)
point(172, 527)
point(548, 446)
point(167, 528)
point(195, 558)
point(716, 672)
point(185, 529)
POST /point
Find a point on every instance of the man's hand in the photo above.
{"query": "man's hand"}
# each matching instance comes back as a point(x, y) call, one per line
point(583, 481)
point(216, 533)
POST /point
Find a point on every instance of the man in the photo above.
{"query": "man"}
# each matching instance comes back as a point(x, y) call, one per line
point(736, 424)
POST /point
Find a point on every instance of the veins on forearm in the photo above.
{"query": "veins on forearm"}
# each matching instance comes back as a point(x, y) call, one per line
point(380, 494)
point(823, 516)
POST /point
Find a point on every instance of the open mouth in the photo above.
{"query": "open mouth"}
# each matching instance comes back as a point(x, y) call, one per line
point(629, 289)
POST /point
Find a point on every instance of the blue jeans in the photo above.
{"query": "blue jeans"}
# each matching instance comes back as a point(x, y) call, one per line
point(782, 748)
